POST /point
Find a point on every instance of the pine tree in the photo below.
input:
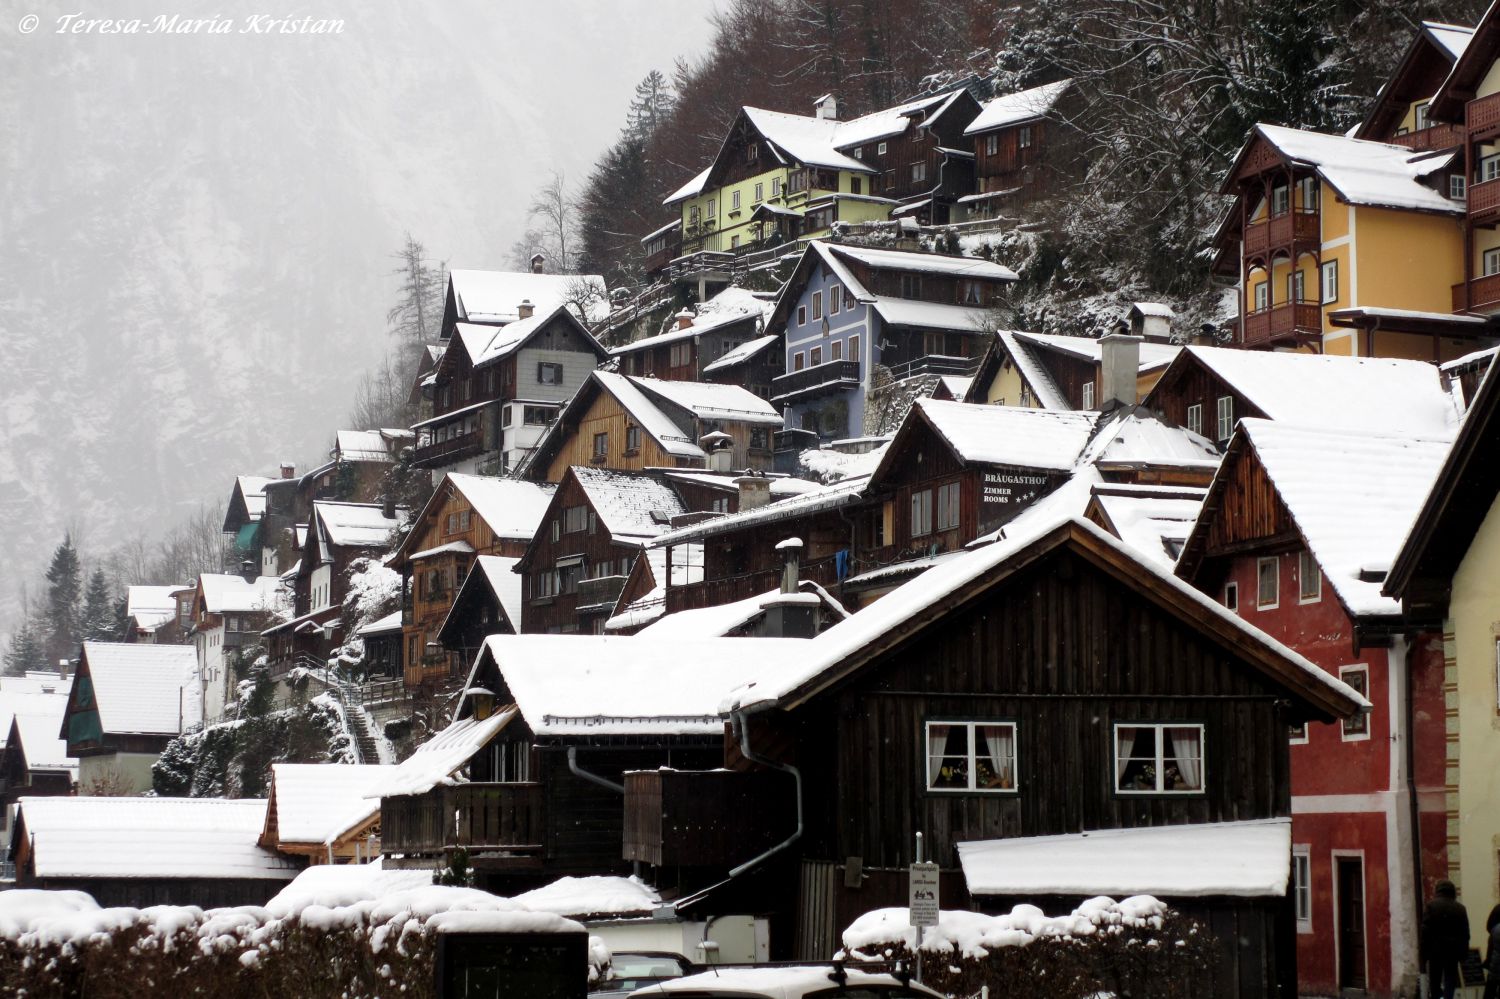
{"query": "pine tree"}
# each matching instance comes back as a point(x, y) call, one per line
point(417, 316)
point(652, 104)
point(64, 581)
point(25, 651)
point(98, 622)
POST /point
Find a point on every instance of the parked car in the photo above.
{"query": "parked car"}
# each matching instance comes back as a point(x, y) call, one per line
point(804, 981)
point(632, 970)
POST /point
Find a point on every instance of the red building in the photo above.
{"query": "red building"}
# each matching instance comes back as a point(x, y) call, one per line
point(1295, 534)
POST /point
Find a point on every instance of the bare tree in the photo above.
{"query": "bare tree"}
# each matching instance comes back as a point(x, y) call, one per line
point(417, 316)
point(380, 398)
point(552, 208)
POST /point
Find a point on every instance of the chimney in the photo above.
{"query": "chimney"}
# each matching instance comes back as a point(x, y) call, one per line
point(1152, 320)
point(249, 571)
point(791, 613)
point(791, 559)
point(685, 319)
point(718, 444)
point(1207, 336)
point(1120, 365)
point(826, 108)
point(288, 471)
point(388, 507)
point(525, 309)
point(755, 491)
point(538, 263)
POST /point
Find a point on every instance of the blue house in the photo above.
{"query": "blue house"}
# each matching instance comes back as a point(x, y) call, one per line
point(848, 311)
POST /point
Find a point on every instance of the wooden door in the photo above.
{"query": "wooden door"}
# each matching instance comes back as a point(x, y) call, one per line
point(1349, 874)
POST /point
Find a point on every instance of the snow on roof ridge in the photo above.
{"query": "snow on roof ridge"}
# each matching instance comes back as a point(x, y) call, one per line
point(1014, 108)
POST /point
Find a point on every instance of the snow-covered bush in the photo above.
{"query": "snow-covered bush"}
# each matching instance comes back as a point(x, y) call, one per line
point(1136, 946)
point(374, 592)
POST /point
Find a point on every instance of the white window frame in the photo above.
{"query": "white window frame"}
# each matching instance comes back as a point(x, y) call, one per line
point(921, 513)
point(972, 771)
point(1024, 138)
point(1281, 200)
point(734, 200)
point(1297, 735)
point(1490, 262)
point(1458, 187)
point(1296, 284)
point(1307, 565)
point(880, 149)
point(1195, 418)
point(1421, 115)
point(1224, 412)
point(1088, 395)
point(1159, 764)
point(1329, 281)
point(1345, 672)
point(1260, 565)
point(1302, 886)
point(949, 506)
point(1260, 295)
point(1489, 168)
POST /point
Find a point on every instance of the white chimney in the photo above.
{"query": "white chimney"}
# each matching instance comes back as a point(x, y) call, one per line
point(685, 319)
point(525, 309)
point(755, 491)
point(827, 107)
point(288, 470)
point(1152, 320)
point(538, 263)
point(1119, 368)
point(719, 446)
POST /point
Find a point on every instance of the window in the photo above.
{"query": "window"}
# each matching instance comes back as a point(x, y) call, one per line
point(601, 446)
point(1088, 395)
point(858, 152)
point(854, 348)
point(815, 356)
point(1294, 285)
point(1232, 596)
point(760, 439)
point(797, 361)
point(848, 300)
point(801, 315)
point(556, 530)
point(1023, 137)
point(1489, 167)
point(970, 293)
point(1280, 200)
point(760, 189)
point(1302, 887)
point(1225, 415)
point(856, 185)
point(549, 373)
point(1158, 759)
point(835, 301)
point(1309, 578)
point(1491, 262)
point(734, 201)
point(911, 286)
point(734, 242)
point(1358, 677)
point(880, 149)
point(537, 416)
point(1307, 193)
point(505, 416)
point(1267, 583)
point(632, 439)
point(921, 513)
point(919, 171)
point(971, 756)
point(1457, 187)
point(947, 506)
point(991, 144)
point(1422, 116)
point(1262, 295)
point(817, 306)
point(713, 208)
point(1330, 281)
point(836, 350)
point(1297, 734)
point(575, 519)
point(775, 187)
point(1195, 418)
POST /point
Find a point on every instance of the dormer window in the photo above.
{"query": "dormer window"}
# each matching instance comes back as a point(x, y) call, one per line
point(752, 152)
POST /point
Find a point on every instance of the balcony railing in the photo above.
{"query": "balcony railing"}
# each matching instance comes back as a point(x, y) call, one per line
point(600, 590)
point(1484, 200)
point(934, 364)
point(1300, 226)
point(452, 449)
point(1288, 320)
point(703, 262)
point(506, 818)
point(1482, 114)
point(1441, 136)
point(1483, 294)
point(684, 817)
point(832, 376)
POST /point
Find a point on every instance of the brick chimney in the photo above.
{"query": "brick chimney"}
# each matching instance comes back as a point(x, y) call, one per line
point(525, 309)
point(1119, 369)
point(288, 471)
point(685, 319)
point(755, 491)
point(538, 263)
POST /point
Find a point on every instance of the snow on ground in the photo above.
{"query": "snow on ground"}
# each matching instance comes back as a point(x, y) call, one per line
point(974, 934)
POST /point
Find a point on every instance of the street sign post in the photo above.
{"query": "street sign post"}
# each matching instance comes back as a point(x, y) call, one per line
point(921, 902)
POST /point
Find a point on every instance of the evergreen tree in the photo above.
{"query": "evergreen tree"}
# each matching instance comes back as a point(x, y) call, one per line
point(617, 206)
point(120, 613)
point(98, 622)
point(652, 105)
point(64, 582)
point(25, 650)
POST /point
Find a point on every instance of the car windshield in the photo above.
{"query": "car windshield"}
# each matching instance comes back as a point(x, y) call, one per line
point(645, 966)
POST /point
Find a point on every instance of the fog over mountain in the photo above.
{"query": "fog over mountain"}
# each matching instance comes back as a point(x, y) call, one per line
point(195, 230)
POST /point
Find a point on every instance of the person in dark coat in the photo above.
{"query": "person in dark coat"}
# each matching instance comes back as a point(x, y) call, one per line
point(1445, 939)
point(1492, 956)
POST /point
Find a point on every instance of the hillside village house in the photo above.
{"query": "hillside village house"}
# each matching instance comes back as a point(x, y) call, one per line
point(242, 523)
point(1293, 537)
point(1059, 372)
point(229, 613)
point(156, 615)
point(466, 516)
point(1020, 152)
point(725, 323)
point(126, 703)
point(847, 311)
point(488, 602)
point(318, 812)
point(34, 758)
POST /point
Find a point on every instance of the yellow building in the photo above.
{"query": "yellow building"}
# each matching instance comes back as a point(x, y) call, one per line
point(1448, 576)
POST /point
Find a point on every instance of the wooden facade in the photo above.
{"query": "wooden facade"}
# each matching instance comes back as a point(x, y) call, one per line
point(605, 415)
point(1189, 382)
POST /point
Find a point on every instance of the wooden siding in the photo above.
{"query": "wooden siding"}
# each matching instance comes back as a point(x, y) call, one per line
point(677, 817)
point(606, 415)
point(1248, 511)
point(1193, 384)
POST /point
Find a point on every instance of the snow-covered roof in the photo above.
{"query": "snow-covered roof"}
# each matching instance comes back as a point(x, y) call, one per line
point(511, 508)
point(975, 935)
point(316, 801)
point(136, 686)
point(1012, 109)
point(1159, 310)
point(252, 489)
point(355, 525)
point(1035, 373)
point(101, 837)
point(631, 507)
point(458, 547)
point(1148, 522)
point(691, 189)
point(146, 600)
point(889, 121)
point(739, 355)
point(1153, 355)
point(925, 263)
point(384, 626)
point(831, 497)
point(1379, 395)
point(226, 594)
point(487, 344)
point(1364, 172)
point(1353, 496)
point(30, 694)
point(956, 386)
point(721, 619)
point(579, 685)
point(732, 305)
point(931, 315)
point(806, 140)
point(38, 719)
point(496, 574)
point(1134, 436)
point(711, 401)
point(1007, 435)
point(597, 896)
point(495, 296)
point(1454, 38)
point(365, 445)
point(687, 567)
point(439, 758)
point(780, 676)
point(1243, 859)
point(645, 411)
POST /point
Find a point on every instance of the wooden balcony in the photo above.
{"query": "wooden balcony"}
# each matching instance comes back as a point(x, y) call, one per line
point(1442, 136)
point(600, 590)
point(451, 450)
point(1286, 322)
point(504, 821)
point(1482, 116)
point(820, 379)
point(1484, 202)
point(1483, 295)
point(1283, 231)
point(705, 818)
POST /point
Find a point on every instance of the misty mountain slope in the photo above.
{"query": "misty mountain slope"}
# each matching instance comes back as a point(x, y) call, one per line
point(195, 231)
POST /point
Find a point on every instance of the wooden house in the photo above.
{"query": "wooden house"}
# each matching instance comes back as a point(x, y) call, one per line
point(721, 325)
point(338, 534)
point(631, 424)
point(34, 760)
point(488, 603)
point(950, 707)
point(1057, 372)
point(466, 516)
point(588, 540)
point(498, 386)
point(1447, 577)
point(382, 641)
point(849, 312)
point(1025, 147)
point(229, 613)
point(1294, 536)
point(157, 615)
point(361, 459)
point(140, 852)
point(318, 812)
point(242, 523)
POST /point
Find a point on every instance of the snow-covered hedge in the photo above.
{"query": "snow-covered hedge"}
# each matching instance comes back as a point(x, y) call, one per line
point(1133, 947)
point(60, 943)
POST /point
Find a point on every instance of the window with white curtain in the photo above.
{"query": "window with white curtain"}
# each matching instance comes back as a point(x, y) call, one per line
point(1158, 759)
point(971, 756)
